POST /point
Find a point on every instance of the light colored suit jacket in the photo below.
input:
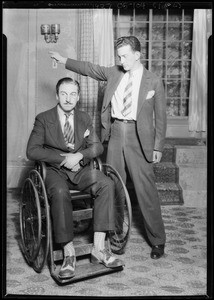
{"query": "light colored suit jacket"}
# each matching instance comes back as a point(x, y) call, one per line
point(46, 141)
point(151, 112)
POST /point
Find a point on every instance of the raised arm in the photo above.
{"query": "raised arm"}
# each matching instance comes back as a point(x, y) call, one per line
point(84, 68)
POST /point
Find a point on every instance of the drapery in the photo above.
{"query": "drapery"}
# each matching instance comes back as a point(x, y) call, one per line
point(198, 86)
point(103, 36)
point(96, 45)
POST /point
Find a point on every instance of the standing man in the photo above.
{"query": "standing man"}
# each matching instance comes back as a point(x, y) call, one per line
point(133, 118)
point(63, 137)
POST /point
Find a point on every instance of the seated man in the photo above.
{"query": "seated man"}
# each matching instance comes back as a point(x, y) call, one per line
point(64, 138)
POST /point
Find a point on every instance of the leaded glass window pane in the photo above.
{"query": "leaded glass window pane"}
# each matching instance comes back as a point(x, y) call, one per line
point(166, 40)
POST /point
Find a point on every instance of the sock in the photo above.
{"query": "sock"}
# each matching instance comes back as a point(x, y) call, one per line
point(69, 249)
point(99, 240)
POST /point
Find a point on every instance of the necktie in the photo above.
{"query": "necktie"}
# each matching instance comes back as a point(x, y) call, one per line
point(68, 131)
point(127, 100)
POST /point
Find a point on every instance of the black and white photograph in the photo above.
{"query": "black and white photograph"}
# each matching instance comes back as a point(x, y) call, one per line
point(107, 143)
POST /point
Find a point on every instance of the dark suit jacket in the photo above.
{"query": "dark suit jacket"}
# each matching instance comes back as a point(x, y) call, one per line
point(151, 131)
point(46, 141)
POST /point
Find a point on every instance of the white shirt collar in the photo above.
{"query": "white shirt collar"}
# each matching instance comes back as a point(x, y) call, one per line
point(138, 71)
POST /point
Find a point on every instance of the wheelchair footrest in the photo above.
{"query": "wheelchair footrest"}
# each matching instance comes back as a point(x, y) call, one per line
point(80, 250)
point(84, 271)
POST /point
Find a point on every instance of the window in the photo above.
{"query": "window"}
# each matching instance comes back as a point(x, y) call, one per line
point(166, 41)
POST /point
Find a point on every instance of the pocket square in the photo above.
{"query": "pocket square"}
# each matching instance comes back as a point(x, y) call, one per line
point(87, 132)
point(150, 94)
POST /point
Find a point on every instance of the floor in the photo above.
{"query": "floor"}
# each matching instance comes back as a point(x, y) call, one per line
point(182, 271)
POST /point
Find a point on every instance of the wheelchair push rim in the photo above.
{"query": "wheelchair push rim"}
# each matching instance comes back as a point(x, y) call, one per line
point(30, 220)
point(118, 238)
point(41, 257)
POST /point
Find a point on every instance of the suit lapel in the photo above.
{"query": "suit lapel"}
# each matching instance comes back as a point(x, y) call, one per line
point(55, 129)
point(78, 130)
point(143, 90)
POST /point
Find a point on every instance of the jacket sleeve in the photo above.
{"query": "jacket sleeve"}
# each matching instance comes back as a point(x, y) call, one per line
point(84, 68)
point(35, 146)
point(160, 116)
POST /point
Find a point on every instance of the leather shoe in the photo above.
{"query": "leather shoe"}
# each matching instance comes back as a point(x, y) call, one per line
point(68, 267)
point(106, 258)
point(157, 251)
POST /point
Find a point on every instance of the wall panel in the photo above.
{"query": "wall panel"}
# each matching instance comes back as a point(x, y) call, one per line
point(31, 78)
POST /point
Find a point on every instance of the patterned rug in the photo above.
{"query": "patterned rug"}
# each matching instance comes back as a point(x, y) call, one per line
point(182, 271)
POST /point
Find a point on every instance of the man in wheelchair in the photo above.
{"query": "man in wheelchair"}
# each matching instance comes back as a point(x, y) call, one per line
point(63, 137)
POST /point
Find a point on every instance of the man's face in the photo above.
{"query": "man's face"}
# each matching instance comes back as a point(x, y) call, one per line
point(127, 57)
point(68, 96)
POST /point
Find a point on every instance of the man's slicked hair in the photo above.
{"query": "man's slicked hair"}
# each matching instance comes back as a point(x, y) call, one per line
point(129, 40)
point(67, 80)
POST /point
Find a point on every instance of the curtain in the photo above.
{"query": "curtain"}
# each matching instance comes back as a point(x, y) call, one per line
point(86, 52)
point(96, 45)
point(103, 36)
point(104, 45)
point(198, 84)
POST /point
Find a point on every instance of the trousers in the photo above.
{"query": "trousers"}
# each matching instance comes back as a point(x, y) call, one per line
point(125, 151)
point(92, 181)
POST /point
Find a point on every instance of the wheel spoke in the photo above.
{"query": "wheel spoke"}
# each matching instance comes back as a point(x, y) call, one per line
point(29, 220)
point(119, 237)
point(44, 219)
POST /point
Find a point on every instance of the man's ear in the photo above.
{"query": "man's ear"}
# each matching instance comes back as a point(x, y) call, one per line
point(77, 103)
point(137, 55)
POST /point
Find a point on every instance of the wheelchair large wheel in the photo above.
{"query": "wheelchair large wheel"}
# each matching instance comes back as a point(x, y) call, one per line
point(123, 213)
point(41, 257)
point(30, 221)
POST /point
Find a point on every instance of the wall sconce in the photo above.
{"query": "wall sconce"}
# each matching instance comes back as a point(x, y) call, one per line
point(50, 32)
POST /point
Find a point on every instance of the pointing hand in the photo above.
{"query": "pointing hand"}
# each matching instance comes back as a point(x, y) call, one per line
point(57, 57)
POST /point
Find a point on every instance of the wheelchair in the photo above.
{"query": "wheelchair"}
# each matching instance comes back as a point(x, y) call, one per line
point(37, 243)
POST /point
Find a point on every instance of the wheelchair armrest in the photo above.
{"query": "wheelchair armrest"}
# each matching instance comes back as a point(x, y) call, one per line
point(96, 163)
point(40, 166)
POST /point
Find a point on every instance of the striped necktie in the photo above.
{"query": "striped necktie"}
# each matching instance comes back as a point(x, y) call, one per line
point(127, 99)
point(68, 131)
